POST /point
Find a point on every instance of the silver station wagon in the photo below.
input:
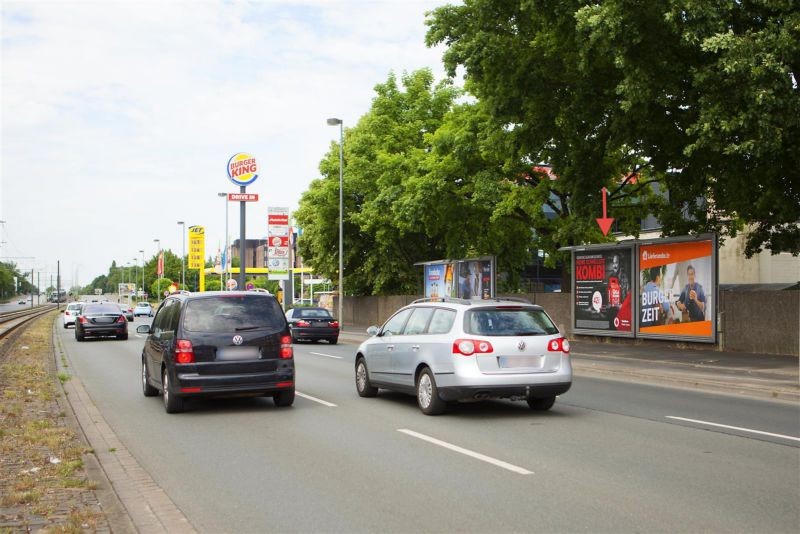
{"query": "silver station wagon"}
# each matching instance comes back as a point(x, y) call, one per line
point(445, 350)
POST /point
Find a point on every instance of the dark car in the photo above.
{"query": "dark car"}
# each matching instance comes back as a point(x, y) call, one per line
point(101, 320)
point(313, 324)
point(219, 343)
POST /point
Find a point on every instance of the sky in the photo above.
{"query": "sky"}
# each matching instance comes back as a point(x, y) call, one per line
point(118, 117)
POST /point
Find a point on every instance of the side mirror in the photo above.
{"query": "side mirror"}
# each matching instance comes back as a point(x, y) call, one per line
point(143, 329)
point(372, 330)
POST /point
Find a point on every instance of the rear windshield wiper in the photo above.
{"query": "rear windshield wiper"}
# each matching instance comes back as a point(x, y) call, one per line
point(242, 328)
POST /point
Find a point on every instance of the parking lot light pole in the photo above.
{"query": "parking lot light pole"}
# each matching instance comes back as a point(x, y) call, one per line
point(340, 123)
point(183, 258)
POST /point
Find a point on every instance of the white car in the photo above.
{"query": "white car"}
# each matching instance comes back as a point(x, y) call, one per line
point(71, 313)
point(143, 308)
point(444, 350)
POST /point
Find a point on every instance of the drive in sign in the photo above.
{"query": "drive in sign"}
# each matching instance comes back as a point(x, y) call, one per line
point(243, 197)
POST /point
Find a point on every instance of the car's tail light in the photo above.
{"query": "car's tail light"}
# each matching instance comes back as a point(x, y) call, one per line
point(83, 320)
point(468, 347)
point(302, 323)
point(184, 352)
point(286, 347)
point(334, 324)
point(560, 344)
point(122, 319)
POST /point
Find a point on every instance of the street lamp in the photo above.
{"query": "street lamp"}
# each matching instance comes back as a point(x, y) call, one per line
point(183, 258)
point(142, 252)
point(340, 123)
point(227, 254)
point(159, 262)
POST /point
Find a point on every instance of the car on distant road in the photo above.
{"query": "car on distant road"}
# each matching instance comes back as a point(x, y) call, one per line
point(313, 324)
point(71, 313)
point(128, 311)
point(218, 343)
point(143, 308)
point(445, 350)
point(101, 320)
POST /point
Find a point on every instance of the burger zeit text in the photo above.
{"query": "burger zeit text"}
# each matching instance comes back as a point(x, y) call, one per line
point(244, 166)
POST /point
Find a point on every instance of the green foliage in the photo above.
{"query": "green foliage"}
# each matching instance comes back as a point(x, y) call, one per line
point(9, 270)
point(699, 97)
point(158, 287)
point(213, 283)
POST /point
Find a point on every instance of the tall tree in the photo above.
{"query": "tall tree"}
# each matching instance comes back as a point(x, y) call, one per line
point(699, 96)
point(383, 152)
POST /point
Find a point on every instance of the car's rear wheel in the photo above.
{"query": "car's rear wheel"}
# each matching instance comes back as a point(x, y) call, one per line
point(66, 325)
point(363, 385)
point(333, 340)
point(147, 389)
point(284, 398)
point(122, 337)
point(79, 337)
point(428, 394)
point(172, 404)
point(541, 405)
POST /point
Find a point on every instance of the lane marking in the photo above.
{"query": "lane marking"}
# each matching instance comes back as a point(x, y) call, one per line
point(326, 355)
point(733, 428)
point(309, 397)
point(467, 452)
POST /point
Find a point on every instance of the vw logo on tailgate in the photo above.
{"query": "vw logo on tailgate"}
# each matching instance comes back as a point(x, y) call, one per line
point(521, 345)
point(237, 340)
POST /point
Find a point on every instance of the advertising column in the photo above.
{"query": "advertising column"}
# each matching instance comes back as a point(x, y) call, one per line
point(678, 290)
point(602, 295)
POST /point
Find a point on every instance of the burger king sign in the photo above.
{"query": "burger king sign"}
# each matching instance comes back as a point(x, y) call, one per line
point(242, 169)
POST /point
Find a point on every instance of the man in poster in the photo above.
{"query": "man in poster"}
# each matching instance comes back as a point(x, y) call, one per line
point(692, 299)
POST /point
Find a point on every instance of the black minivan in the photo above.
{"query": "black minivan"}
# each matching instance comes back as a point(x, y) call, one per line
point(218, 343)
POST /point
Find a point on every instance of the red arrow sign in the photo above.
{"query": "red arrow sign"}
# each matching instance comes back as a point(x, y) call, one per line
point(606, 222)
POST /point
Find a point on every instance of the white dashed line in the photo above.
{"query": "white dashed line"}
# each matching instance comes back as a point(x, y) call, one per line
point(733, 428)
point(309, 397)
point(326, 355)
point(467, 452)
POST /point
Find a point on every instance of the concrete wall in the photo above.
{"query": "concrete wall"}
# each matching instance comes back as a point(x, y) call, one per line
point(763, 322)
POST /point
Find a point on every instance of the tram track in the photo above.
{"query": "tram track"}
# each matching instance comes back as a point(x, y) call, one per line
point(12, 324)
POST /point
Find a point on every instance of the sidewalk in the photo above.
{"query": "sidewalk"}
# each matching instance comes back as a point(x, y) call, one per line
point(757, 375)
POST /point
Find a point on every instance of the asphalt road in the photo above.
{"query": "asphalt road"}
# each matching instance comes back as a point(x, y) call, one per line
point(610, 456)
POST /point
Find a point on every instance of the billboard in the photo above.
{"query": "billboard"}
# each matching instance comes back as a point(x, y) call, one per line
point(677, 289)
point(278, 243)
point(471, 279)
point(603, 291)
point(197, 247)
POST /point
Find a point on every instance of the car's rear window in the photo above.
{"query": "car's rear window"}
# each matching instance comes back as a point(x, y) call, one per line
point(509, 322)
point(313, 313)
point(74, 306)
point(233, 313)
point(97, 309)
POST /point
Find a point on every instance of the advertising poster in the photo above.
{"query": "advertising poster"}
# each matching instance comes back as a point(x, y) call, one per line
point(278, 245)
point(475, 279)
point(603, 291)
point(677, 290)
point(435, 280)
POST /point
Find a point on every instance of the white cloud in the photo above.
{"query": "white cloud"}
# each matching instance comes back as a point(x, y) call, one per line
point(118, 117)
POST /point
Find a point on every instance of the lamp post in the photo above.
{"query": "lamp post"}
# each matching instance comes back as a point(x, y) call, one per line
point(183, 257)
point(142, 252)
point(226, 268)
point(158, 262)
point(340, 123)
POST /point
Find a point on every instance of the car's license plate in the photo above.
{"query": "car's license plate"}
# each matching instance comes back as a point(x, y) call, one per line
point(237, 353)
point(510, 362)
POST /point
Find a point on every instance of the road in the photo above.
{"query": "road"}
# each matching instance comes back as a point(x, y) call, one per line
point(610, 456)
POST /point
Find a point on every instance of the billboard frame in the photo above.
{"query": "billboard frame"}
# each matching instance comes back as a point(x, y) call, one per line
point(634, 246)
point(712, 339)
point(623, 247)
point(455, 264)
